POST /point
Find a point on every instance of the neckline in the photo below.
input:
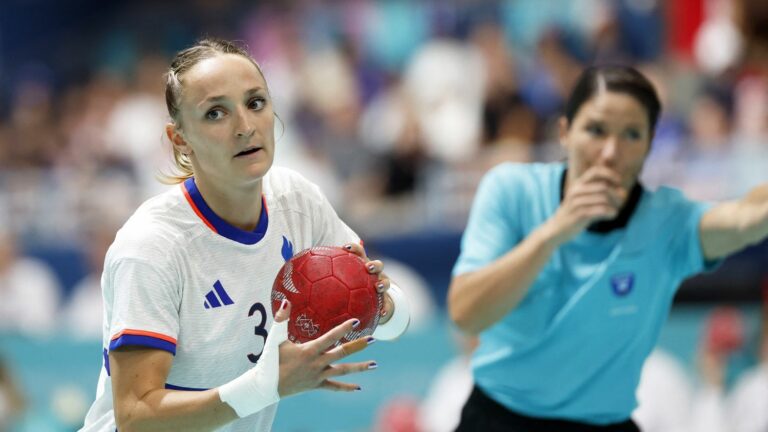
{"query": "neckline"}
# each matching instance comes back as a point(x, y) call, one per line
point(219, 225)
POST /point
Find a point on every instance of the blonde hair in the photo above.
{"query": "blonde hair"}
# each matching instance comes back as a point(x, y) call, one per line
point(181, 63)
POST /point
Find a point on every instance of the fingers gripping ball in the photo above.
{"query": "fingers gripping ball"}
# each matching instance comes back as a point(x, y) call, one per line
point(327, 286)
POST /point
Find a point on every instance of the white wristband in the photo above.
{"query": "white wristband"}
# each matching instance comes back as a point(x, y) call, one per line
point(401, 316)
point(256, 389)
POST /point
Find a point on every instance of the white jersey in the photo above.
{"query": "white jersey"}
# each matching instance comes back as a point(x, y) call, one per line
point(180, 279)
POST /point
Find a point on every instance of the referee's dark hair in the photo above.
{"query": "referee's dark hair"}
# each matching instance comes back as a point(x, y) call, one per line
point(615, 78)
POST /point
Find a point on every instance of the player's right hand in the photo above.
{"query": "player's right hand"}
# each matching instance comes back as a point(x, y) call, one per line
point(596, 195)
point(311, 365)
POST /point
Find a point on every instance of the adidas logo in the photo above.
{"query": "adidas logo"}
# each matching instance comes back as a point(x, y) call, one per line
point(214, 301)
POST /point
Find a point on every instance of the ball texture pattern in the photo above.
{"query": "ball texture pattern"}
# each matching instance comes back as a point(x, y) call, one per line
point(327, 286)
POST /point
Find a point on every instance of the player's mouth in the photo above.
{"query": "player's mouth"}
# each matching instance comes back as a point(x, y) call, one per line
point(249, 151)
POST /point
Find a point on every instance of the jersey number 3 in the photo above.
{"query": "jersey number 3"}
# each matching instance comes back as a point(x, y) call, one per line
point(260, 329)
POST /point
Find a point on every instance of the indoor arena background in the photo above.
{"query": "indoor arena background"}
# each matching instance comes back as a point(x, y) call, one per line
point(396, 109)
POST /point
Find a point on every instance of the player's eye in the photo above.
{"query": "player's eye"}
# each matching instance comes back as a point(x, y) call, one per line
point(595, 129)
point(257, 103)
point(632, 134)
point(214, 114)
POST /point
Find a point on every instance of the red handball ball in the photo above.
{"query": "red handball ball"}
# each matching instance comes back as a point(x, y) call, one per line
point(327, 286)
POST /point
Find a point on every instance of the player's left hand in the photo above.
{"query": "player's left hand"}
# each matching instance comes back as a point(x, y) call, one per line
point(375, 267)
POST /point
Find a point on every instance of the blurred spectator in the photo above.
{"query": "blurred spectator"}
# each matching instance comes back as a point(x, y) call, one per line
point(83, 312)
point(751, 86)
point(388, 117)
point(752, 19)
point(134, 126)
point(406, 160)
point(445, 81)
point(751, 110)
point(711, 117)
point(554, 71)
point(742, 409)
point(389, 49)
point(627, 31)
point(664, 395)
point(398, 415)
point(12, 404)
point(85, 111)
point(507, 119)
point(330, 116)
point(526, 20)
point(29, 290)
point(449, 390)
point(718, 44)
point(31, 140)
point(69, 404)
point(707, 159)
point(390, 129)
point(684, 18)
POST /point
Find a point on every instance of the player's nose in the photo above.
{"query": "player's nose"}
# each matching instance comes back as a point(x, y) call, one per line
point(243, 126)
point(610, 151)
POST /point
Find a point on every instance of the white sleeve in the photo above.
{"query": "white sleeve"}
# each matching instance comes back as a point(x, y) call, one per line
point(145, 297)
point(329, 229)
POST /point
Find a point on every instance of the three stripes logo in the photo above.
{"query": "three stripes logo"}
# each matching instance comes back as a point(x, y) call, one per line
point(214, 301)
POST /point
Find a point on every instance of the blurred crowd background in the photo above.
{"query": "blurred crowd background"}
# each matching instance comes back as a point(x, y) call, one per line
point(396, 109)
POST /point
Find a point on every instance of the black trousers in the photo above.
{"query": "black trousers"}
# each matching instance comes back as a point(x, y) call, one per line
point(482, 413)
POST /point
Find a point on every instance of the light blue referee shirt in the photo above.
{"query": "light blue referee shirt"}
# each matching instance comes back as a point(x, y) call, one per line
point(574, 346)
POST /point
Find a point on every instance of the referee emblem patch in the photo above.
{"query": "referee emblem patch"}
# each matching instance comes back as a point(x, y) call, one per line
point(622, 283)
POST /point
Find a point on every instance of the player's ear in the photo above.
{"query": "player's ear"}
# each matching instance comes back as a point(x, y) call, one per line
point(173, 132)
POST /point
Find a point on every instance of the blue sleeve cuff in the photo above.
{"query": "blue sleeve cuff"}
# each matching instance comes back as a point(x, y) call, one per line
point(127, 339)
